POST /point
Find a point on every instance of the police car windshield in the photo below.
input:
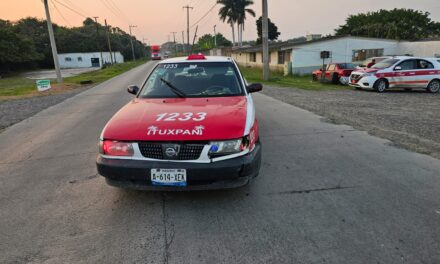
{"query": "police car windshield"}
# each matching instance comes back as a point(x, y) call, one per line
point(193, 79)
point(385, 64)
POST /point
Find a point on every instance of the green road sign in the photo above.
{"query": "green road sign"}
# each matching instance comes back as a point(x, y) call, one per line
point(43, 85)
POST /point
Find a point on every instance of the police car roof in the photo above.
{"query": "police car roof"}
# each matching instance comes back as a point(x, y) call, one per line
point(207, 59)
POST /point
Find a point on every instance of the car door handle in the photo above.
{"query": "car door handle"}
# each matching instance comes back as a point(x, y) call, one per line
point(412, 73)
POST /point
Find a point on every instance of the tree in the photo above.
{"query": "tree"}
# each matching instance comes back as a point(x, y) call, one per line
point(206, 42)
point(242, 10)
point(15, 49)
point(228, 13)
point(273, 30)
point(399, 24)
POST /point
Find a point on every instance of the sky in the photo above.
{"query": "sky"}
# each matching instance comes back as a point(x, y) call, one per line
point(155, 20)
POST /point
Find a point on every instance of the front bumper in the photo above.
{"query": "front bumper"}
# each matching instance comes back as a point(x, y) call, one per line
point(226, 174)
point(366, 82)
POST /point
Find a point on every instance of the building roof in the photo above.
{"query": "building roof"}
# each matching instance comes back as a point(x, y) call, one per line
point(288, 44)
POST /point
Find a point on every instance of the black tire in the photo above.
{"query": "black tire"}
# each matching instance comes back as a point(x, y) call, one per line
point(314, 78)
point(335, 78)
point(433, 86)
point(380, 85)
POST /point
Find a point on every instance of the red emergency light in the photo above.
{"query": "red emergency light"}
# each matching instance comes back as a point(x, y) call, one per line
point(196, 57)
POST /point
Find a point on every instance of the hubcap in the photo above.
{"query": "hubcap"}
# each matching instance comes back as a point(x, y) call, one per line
point(434, 86)
point(382, 86)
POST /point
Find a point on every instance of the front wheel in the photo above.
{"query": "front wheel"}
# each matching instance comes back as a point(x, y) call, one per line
point(434, 86)
point(314, 78)
point(380, 85)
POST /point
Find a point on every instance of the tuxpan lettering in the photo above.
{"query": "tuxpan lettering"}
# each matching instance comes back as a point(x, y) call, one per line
point(196, 131)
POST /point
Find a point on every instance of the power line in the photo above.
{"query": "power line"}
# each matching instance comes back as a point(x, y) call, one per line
point(75, 6)
point(61, 14)
point(119, 10)
point(207, 13)
point(71, 9)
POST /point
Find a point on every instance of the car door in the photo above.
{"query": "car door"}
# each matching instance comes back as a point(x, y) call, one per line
point(424, 73)
point(404, 74)
point(329, 72)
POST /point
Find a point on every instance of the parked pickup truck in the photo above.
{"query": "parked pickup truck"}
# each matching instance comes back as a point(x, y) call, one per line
point(334, 73)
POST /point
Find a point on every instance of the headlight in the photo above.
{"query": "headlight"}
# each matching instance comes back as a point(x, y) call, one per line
point(221, 148)
point(115, 148)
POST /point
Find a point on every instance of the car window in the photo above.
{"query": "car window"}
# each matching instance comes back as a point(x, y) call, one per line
point(331, 67)
point(423, 64)
point(194, 79)
point(385, 64)
point(346, 66)
point(408, 65)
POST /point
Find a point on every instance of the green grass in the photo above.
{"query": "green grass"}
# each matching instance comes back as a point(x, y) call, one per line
point(104, 74)
point(16, 86)
point(305, 82)
point(21, 86)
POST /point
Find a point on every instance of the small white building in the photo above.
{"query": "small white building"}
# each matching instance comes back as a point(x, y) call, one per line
point(89, 59)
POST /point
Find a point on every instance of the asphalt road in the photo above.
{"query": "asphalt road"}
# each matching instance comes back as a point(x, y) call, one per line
point(326, 194)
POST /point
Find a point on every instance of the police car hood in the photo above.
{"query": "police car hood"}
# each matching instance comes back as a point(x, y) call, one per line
point(179, 119)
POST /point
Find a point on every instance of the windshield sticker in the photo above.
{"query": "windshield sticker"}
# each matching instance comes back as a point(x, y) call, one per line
point(196, 131)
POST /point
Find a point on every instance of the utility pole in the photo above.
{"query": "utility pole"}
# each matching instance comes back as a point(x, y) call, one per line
point(108, 41)
point(215, 36)
point(131, 41)
point(174, 37)
point(187, 21)
point(194, 40)
point(266, 73)
point(53, 43)
point(183, 41)
point(97, 39)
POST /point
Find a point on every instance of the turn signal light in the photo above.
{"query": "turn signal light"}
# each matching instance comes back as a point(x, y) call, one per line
point(115, 148)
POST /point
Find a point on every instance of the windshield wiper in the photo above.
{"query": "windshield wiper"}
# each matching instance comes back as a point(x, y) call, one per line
point(173, 88)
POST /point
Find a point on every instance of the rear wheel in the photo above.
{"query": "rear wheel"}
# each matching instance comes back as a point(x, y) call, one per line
point(434, 86)
point(380, 85)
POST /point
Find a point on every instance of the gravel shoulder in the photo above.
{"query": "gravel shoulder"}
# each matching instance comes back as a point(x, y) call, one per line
point(410, 120)
point(16, 110)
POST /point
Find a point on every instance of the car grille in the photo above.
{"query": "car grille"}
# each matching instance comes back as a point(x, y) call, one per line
point(156, 151)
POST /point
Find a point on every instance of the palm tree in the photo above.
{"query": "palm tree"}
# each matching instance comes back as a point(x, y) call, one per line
point(228, 12)
point(242, 10)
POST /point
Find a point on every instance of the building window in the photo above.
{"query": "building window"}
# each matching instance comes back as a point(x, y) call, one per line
point(253, 57)
point(281, 57)
point(68, 59)
point(361, 55)
point(80, 59)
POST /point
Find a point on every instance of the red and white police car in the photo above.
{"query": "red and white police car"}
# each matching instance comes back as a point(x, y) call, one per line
point(399, 72)
point(191, 126)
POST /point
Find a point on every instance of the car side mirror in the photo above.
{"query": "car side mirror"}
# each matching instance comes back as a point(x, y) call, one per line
point(133, 89)
point(398, 68)
point(255, 87)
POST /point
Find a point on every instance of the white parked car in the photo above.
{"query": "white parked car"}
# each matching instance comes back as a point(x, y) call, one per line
point(399, 72)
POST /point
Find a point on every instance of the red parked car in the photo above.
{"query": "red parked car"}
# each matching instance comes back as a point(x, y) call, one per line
point(334, 73)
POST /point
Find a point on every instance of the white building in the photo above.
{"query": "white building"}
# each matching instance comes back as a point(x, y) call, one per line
point(88, 59)
point(304, 57)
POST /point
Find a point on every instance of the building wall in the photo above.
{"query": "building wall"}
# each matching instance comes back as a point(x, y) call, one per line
point(420, 48)
point(84, 60)
point(306, 58)
point(243, 58)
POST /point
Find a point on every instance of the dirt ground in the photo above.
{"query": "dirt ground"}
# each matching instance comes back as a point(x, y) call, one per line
point(410, 119)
